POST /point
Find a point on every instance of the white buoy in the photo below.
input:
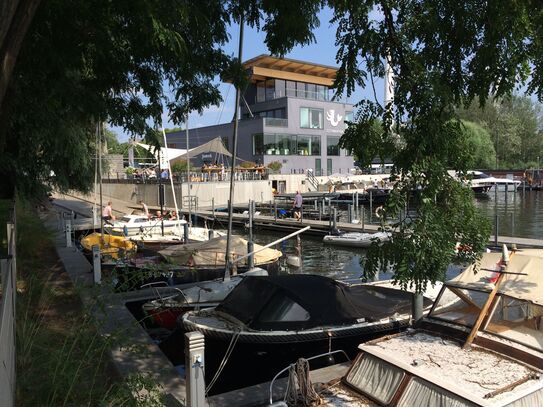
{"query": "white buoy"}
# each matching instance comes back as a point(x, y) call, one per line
point(294, 261)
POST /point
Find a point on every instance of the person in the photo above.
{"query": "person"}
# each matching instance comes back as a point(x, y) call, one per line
point(144, 209)
point(107, 213)
point(158, 215)
point(297, 206)
point(164, 174)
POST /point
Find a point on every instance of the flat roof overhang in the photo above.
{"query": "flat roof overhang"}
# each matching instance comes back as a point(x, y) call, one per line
point(269, 67)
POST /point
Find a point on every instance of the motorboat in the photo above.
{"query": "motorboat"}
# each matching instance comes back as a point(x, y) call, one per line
point(159, 241)
point(131, 225)
point(480, 345)
point(164, 311)
point(346, 189)
point(114, 247)
point(271, 321)
point(480, 179)
point(356, 239)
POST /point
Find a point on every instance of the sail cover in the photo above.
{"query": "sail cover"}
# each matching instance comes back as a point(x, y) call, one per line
point(528, 287)
point(212, 252)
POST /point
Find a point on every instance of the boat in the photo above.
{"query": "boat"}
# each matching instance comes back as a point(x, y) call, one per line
point(346, 189)
point(211, 253)
point(482, 183)
point(164, 311)
point(480, 345)
point(158, 241)
point(271, 321)
point(131, 225)
point(115, 247)
point(356, 239)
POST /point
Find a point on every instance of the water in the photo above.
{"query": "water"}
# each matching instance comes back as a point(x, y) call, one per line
point(520, 214)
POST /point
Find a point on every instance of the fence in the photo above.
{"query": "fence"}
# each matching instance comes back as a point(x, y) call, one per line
point(182, 178)
point(8, 283)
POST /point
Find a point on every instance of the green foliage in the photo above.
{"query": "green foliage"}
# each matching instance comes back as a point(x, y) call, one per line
point(275, 166)
point(247, 164)
point(480, 145)
point(180, 166)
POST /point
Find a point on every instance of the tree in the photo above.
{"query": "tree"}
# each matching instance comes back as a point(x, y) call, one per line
point(480, 145)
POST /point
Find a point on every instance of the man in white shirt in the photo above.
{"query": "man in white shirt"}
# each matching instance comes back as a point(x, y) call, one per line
point(107, 213)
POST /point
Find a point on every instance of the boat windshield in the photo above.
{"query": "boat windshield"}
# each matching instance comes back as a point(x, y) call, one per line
point(125, 219)
point(511, 318)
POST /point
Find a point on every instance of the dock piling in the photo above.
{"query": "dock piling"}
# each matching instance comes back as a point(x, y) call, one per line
point(275, 210)
point(68, 233)
point(186, 232)
point(96, 264)
point(349, 213)
point(371, 206)
point(213, 207)
point(362, 220)
point(495, 215)
point(194, 365)
point(320, 210)
point(334, 216)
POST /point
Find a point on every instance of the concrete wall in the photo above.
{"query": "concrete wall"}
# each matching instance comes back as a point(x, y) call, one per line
point(205, 192)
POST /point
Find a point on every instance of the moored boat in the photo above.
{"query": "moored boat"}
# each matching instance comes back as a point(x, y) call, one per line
point(116, 247)
point(356, 239)
point(271, 321)
point(130, 225)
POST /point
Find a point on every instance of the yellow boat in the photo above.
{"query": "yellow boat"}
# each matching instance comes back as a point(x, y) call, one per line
point(113, 246)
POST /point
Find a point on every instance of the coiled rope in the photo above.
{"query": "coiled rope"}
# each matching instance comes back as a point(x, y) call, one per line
point(300, 390)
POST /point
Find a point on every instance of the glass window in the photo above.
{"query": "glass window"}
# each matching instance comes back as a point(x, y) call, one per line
point(291, 88)
point(279, 88)
point(258, 144)
point(311, 118)
point(332, 147)
point(310, 91)
point(322, 92)
point(348, 116)
point(279, 113)
point(300, 89)
point(270, 147)
point(270, 89)
point(283, 309)
point(459, 305)
point(376, 378)
point(309, 145)
point(286, 144)
point(260, 92)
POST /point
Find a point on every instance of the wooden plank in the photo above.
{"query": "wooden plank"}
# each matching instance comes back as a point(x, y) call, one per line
point(292, 76)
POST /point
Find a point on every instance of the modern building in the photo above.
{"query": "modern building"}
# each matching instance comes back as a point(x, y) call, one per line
point(287, 115)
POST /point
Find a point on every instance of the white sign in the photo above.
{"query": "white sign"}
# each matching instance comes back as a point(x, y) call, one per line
point(333, 118)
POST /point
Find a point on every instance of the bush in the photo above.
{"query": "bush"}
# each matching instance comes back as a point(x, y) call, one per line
point(129, 170)
point(180, 166)
point(247, 164)
point(275, 166)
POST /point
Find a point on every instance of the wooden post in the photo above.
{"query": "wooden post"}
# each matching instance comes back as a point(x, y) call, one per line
point(96, 264)
point(371, 205)
point(489, 301)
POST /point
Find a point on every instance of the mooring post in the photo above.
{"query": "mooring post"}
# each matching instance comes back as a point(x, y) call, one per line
point(186, 232)
point(363, 221)
point(213, 207)
point(320, 210)
point(349, 213)
point(417, 307)
point(335, 218)
point(68, 233)
point(495, 215)
point(96, 264)
point(210, 234)
point(274, 210)
point(194, 369)
point(371, 206)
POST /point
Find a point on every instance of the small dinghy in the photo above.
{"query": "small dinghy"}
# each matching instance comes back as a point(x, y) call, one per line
point(356, 239)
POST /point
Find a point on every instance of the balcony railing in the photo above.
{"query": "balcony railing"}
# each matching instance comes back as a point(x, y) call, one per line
point(275, 122)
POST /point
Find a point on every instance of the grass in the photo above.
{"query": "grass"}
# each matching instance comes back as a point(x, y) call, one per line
point(61, 358)
point(5, 205)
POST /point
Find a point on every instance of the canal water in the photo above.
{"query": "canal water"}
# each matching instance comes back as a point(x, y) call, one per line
point(519, 213)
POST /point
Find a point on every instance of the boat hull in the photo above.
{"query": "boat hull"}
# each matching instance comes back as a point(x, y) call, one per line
point(257, 358)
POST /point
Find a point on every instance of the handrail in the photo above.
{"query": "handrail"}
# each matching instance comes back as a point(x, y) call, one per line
point(308, 359)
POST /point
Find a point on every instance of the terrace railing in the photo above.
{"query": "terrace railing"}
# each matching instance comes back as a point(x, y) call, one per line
point(8, 291)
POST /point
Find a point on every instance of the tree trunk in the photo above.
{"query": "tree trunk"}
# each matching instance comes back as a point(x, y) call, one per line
point(17, 16)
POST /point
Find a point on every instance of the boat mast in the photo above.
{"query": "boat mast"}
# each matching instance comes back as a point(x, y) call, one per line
point(99, 130)
point(229, 263)
point(188, 164)
point(171, 183)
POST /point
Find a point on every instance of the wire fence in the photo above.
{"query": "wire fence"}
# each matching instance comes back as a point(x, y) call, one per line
point(8, 291)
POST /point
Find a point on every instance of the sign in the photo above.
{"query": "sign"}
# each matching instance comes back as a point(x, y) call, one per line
point(206, 155)
point(333, 118)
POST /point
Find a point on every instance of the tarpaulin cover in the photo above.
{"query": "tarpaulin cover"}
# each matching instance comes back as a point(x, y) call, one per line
point(302, 301)
point(527, 287)
point(212, 252)
point(213, 146)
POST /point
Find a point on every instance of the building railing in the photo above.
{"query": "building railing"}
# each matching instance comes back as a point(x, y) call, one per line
point(8, 281)
point(275, 122)
point(200, 176)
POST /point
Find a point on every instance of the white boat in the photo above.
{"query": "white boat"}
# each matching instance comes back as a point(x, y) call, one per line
point(140, 224)
point(356, 239)
point(480, 345)
point(480, 178)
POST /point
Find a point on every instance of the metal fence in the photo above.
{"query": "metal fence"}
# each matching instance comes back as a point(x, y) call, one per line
point(8, 283)
point(183, 178)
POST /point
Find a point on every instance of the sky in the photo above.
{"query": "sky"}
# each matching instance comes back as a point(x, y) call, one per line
point(322, 51)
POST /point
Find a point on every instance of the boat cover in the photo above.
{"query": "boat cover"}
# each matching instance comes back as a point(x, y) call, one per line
point(527, 287)
point(212, 252)
point(303, 301)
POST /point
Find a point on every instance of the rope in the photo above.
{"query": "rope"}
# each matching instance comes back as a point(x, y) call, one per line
point(300, 390)
point(227, 355)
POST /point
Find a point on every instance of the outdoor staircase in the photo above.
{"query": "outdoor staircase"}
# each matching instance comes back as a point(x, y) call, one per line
point(312, 181)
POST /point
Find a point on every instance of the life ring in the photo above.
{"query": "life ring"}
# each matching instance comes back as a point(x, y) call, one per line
point(379, 211)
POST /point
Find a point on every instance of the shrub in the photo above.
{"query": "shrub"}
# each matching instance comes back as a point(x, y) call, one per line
point(275, 166)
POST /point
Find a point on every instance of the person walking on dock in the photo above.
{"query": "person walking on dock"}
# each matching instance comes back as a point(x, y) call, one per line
point(107, 213)
point(297, 206)
point(144, 209)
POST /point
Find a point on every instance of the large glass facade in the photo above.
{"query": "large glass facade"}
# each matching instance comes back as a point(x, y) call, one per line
point(286, 144)
point(277, 88)
point(332, 147)
point(311, 118)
